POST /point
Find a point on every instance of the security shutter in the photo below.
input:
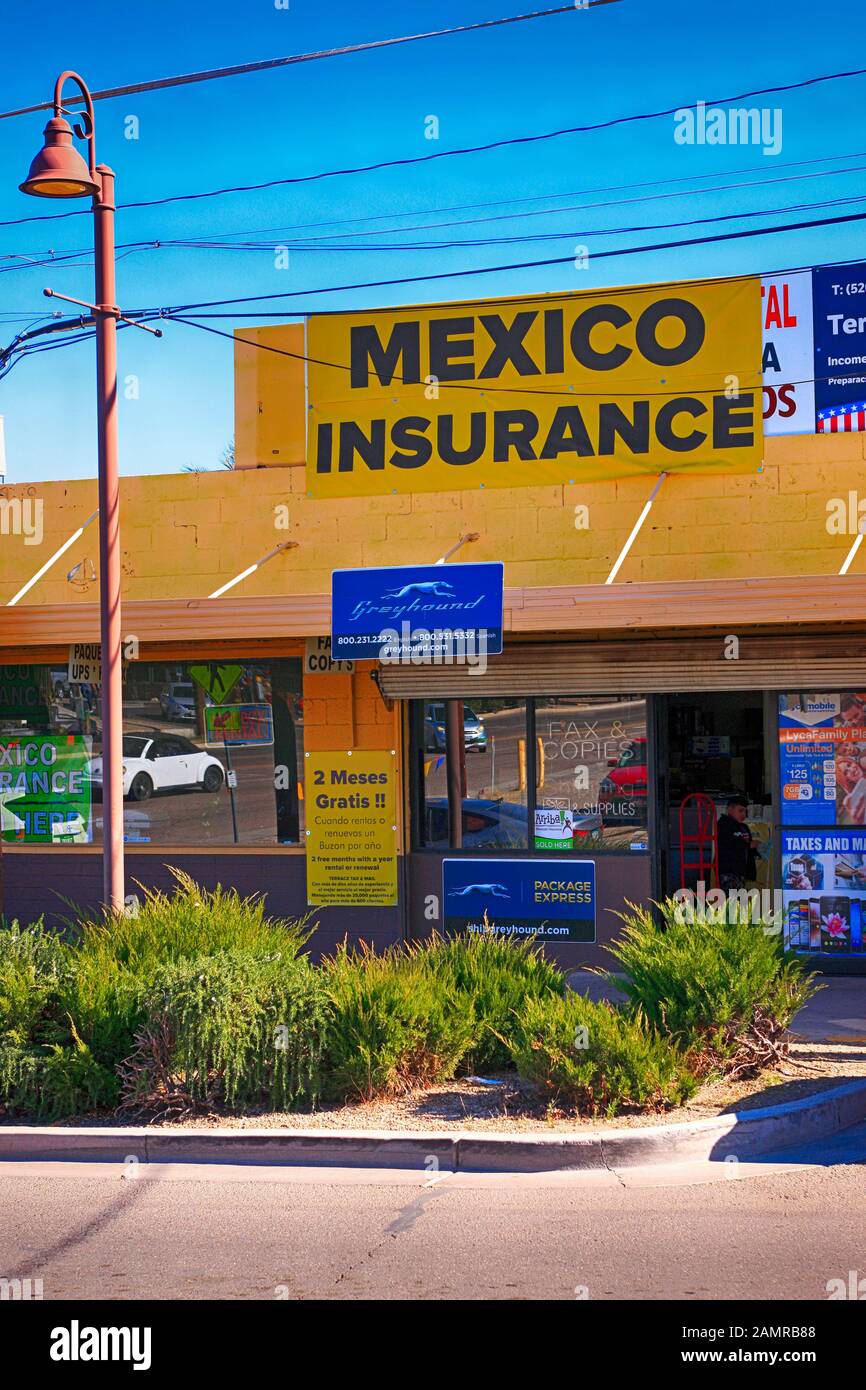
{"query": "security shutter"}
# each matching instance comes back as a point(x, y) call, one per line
point(643, 666)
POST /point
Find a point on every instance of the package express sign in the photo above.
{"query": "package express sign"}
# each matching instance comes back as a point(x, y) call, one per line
point(422, 611)
point(548, 389)
point(552, 899)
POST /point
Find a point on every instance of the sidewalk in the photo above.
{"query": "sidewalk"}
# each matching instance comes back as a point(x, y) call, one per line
point(836, 1014)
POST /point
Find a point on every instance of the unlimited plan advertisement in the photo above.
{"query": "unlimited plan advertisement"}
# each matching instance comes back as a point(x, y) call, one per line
point(822, 750)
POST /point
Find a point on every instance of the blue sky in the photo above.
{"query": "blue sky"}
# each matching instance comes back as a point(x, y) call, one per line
point(569, 69)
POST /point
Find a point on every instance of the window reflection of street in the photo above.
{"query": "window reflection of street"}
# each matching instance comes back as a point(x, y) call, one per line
point(594, 763)
point(187, 802)
point(591, 765)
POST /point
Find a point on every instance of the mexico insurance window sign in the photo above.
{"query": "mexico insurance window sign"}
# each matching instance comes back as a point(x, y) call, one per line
point(420, 611)
point(536, 390)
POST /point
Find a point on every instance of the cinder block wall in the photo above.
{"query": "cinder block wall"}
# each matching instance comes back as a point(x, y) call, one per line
point(183, 534)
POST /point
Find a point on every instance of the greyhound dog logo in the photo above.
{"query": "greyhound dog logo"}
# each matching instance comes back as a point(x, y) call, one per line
point(492, 890)
point(435, 588)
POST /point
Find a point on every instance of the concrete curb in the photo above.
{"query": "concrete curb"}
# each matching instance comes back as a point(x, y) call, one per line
point(741, 1135)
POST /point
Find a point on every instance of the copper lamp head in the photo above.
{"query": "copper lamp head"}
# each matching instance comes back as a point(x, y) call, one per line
point(58, 171)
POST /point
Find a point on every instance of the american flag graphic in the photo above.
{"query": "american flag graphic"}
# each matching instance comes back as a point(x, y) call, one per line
point(839, 419)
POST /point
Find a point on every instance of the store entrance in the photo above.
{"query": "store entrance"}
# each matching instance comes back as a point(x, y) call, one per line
point(714, 745)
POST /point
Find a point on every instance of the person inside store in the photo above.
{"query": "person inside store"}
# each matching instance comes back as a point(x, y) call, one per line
point(737, 861)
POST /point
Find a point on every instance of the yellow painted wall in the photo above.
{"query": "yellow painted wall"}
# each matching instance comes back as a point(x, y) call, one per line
point(184, 534)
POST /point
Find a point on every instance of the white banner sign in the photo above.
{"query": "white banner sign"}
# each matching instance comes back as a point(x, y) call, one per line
point(85, 664)
point(788, 353)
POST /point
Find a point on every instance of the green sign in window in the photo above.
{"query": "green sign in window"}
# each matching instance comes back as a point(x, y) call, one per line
point(45, 789)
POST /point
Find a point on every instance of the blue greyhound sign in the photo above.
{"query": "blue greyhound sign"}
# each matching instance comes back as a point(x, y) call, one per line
point(421, 612)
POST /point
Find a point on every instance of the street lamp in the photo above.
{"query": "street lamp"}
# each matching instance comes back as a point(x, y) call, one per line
point(58, 171)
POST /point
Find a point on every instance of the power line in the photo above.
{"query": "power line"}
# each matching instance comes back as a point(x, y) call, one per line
point(268, 64)
point(52, 257)
point(516, 265)
point(587, 192)
point(445, 154)
point(486, 388)
point(69, 259)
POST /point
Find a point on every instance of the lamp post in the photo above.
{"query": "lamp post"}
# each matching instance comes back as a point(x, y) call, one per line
point(58, 171)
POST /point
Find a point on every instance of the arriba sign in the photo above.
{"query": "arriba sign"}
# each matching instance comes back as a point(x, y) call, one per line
point(546, 390)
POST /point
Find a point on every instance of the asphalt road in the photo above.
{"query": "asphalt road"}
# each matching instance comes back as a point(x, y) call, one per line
point(760, 1231)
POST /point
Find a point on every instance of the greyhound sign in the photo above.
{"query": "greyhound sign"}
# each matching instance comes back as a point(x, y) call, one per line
point(423, 613)
point(551, 899)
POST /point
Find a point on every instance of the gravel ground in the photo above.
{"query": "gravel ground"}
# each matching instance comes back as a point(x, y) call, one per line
point(512, 1105)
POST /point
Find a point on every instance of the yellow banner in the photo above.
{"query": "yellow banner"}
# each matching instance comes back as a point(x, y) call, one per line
point(351, 810)
point(536, 390)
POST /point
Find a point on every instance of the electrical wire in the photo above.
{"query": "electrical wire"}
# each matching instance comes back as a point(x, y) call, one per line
point(268, 64)
point(70, 259)
point(54, 257)
point(516, 265)
point(503, 143)
point(634, 383)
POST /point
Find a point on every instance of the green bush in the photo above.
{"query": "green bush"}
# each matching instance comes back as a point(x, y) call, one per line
point(116, 955)
point(34, 964)
point(593, 1059)
point(229, 1027)
point(397, 1025)
point(498, 976)
point(717, 982)
point(52, 1081)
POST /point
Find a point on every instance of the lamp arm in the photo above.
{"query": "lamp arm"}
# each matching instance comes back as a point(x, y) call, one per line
point(85, 131)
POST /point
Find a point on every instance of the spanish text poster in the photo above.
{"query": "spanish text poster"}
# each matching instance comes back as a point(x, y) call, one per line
point(552, 899)
point(788, 361)
point(822, 748)
point(839, 299)
point(351, 800)
point(45, 789)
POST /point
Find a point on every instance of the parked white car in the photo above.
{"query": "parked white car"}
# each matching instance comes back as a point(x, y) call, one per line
point(162, 762)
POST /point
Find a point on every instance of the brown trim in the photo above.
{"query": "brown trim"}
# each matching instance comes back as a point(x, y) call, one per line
point(640, 664)
point(736, 603)
point(165, 852)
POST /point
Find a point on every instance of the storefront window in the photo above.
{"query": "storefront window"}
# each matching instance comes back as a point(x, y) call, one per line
point(591, 773)
point(574, 769)
point(492, 766)
point(212, 753)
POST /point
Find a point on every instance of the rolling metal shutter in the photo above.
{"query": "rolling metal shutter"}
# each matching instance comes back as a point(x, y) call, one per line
point(795, 661)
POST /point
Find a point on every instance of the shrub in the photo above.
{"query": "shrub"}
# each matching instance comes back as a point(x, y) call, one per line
point(498, 976)
point(593, 1059)
point(115, 956)
point(33, 965)
point(720, 985)
point(396, 1024)
point(52, 1081)
point(229, 1027)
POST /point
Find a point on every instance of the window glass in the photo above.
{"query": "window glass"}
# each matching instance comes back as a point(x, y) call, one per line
point(591, 770)
point(493, 773)
point(212, 754)
point(495, 814)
